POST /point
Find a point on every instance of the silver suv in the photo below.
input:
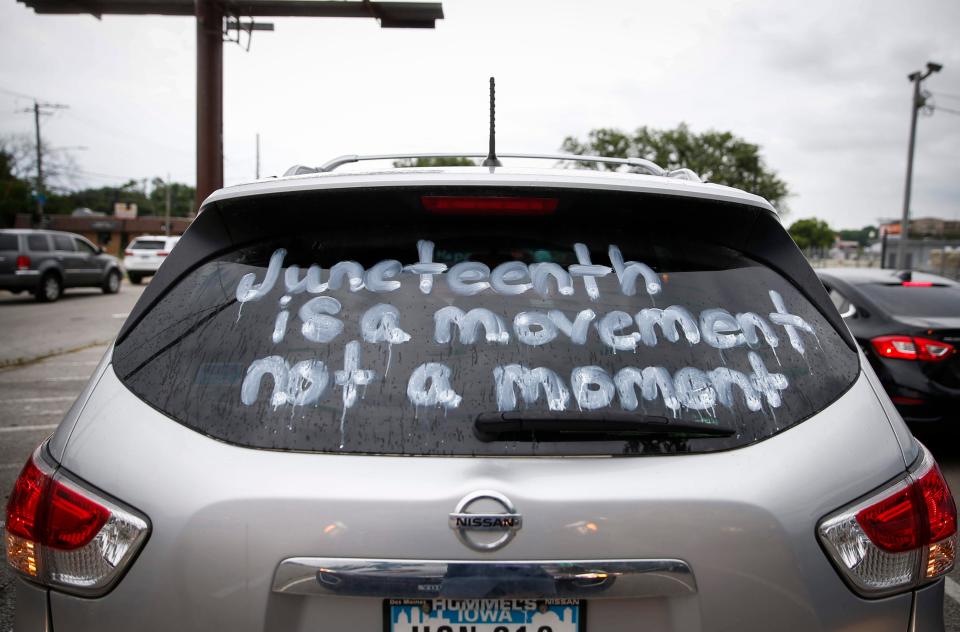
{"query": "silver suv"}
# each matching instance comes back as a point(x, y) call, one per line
point(483, 400)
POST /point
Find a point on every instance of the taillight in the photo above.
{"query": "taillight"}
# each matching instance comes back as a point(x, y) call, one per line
point(162, 253)
point(912, 348)
point(64, 535)
point(488, 205)
point(128, 253)
point(23, 262)
point(899, 538)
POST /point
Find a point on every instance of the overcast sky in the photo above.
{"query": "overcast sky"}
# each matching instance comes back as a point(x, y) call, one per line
point(821, 86)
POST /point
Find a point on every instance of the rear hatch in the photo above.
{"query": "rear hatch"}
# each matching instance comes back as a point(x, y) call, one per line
point(484, 409)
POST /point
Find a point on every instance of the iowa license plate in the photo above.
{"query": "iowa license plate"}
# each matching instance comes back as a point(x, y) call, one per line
point(484, 615)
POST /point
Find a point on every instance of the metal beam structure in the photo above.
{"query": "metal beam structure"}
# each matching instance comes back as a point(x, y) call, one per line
point(210, 15)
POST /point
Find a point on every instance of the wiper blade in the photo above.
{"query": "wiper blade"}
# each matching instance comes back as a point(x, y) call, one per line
point(589, 426)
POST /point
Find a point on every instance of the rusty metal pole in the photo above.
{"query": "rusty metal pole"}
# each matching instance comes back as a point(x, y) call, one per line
point(209, 98)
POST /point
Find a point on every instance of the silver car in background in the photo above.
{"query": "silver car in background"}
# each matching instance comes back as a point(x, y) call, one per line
point(482, 400)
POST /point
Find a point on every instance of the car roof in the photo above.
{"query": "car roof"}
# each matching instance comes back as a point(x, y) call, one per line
point(493, 176)
point(862, 276)
point(156, 237)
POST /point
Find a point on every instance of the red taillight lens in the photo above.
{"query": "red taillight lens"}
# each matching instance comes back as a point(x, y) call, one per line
point(938, 504)
point(162, 253)
point(25, 503)
point(912, 348)
point(917, 284)
point(933, 350)
point(893, 524)
point(23, 262)
point(921, 514)
point(488, 205)
point(128, 253)
point(46, 512)
point(72, 521)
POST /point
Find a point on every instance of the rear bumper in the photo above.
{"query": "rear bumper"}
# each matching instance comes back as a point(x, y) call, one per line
point(917, 397)
point(20, 280)
point(132, 265)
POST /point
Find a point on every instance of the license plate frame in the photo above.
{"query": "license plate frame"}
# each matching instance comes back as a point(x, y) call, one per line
point(539, 621)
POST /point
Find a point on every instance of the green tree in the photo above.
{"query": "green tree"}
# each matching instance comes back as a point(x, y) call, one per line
point(435, 162)
point(812, 234)
point(181, 198)
point(862, 236)
point(718, 157)
point(14, 192)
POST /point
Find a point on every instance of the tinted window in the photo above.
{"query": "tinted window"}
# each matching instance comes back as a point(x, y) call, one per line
point(338, 339)
point(9, 242)
point(38, 243)
point(147, 244)
point(63, 242)
point(84, 247)
point(899, 300)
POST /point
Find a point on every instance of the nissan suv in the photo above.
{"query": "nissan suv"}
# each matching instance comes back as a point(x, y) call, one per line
point(483, 400)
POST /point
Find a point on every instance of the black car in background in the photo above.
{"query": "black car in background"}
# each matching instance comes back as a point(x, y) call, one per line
point(45, 262)
point(908, 325)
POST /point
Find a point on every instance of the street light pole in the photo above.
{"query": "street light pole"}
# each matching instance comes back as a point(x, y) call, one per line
point(918, 102)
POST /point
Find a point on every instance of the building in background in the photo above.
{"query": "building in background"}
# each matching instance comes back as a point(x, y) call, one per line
point(109, 232)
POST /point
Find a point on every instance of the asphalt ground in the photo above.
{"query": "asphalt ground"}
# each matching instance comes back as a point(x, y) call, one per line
point(82, 316)
point(35, 395)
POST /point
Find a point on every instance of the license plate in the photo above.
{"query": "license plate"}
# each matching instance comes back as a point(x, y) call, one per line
point(484, 615)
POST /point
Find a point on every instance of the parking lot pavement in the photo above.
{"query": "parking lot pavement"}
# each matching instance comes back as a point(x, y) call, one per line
point(82, 317)
point(33, 399)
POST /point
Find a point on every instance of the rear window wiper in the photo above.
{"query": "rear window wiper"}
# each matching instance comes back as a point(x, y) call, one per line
point(589, 426)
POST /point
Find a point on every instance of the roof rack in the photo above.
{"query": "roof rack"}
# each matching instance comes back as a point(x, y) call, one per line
point(646, 166)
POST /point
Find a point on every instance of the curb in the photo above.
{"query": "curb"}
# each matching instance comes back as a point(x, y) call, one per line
point(6, 363)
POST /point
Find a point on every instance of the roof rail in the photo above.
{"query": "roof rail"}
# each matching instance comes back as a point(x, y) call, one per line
point(645, 166)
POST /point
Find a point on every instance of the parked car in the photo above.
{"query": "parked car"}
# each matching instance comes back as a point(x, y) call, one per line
point(46, 262)
point(908, 325)
point(477, 398)
point(142, 258)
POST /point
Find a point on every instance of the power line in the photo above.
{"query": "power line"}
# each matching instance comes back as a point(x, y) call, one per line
point(949, 95)
point(16, 94)
point(940, 108)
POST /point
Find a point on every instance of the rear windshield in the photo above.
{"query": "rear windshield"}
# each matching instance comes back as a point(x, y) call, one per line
point(392, 333)
point(8, 242)
point(147, 244)
point(900, 300)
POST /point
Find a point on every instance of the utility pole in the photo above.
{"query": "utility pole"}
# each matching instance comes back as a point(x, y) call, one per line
point(919, 100)
point(38, 109)
point(166, 192)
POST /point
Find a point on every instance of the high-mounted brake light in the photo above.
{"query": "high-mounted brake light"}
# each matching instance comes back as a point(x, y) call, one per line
point(488, 205)
point(917, 284)
point(912, 348)
point(64, 535)
point(899, 538)
point(23, 262)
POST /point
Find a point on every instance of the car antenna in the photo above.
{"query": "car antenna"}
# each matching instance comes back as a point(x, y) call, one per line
point(491, 159)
